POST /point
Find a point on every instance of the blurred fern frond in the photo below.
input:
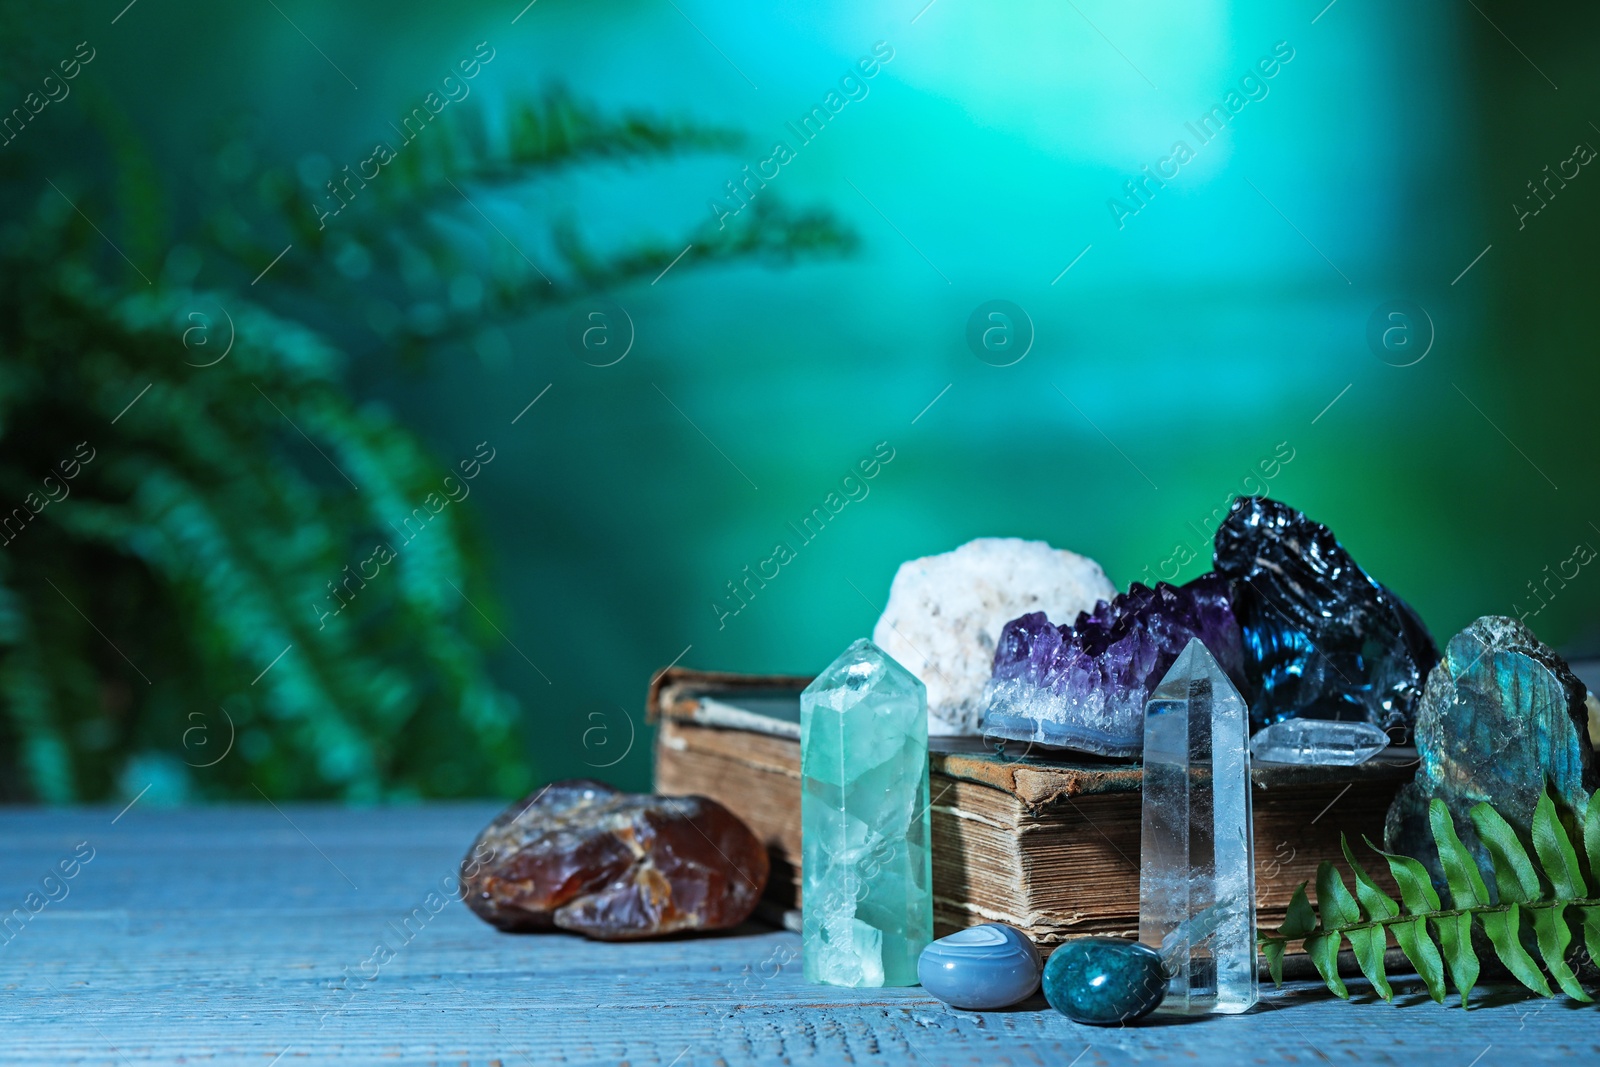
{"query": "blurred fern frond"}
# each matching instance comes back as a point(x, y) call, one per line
point(443, 211)
point(188, 492)
point(178, 528)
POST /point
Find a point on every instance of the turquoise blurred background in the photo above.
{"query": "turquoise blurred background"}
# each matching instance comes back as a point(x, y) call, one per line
point(1179, 352)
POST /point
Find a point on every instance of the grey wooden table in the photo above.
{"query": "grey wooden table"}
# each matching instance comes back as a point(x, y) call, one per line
point(308, 935)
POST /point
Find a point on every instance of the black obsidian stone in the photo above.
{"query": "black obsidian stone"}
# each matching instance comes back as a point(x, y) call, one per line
point(1104, 981)
point(1322, 639)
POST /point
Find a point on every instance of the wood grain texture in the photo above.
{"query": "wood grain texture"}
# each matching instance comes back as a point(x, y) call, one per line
point(222, 936)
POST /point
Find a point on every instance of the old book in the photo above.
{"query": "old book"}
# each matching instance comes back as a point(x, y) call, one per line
point(1048, 845)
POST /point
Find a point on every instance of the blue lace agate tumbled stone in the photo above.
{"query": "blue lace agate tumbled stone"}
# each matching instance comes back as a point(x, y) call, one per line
point(980, 968)
point(1104, 981)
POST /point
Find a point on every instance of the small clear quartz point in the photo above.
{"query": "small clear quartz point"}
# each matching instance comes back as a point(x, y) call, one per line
point(1197, 858)
point(1318, 742)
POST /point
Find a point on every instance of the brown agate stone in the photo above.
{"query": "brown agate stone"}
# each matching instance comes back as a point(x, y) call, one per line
point(579, 855)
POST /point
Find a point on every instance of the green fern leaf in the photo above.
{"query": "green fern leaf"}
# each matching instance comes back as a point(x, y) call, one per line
point(1368, 944)
point(1420, 899)
point(1591, 835)
point(1455, 941)
point(1460, 870)
point(1376, 903)
point(1591, 930)
point(1416, 888)
point(1524, 915)
point(1272, 949)
point(1323, 948)
point(1301, 918)
point(1337, 905)
point(1555, 850)
point(1414, 940)
point(1554, 936)
point(1514, 875)
point(1454, 931)
point(1504, 928)
point(1338, 910)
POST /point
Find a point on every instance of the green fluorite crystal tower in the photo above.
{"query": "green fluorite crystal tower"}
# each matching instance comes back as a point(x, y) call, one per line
point(867, 891)
point(1197, 887)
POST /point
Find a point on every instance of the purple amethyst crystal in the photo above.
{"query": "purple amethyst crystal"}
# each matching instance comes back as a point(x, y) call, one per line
point(1084, 686)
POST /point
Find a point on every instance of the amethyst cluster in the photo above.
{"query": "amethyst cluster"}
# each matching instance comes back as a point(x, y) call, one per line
point(1084, 686)
point(1299, 627)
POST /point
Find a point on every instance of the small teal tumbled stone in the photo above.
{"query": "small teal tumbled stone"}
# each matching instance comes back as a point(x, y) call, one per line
point(980, 968)
point(1104, 981)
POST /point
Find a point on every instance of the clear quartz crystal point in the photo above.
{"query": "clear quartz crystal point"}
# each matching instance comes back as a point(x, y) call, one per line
point(866, 869)
point(1323, 742)
point(1197, 886)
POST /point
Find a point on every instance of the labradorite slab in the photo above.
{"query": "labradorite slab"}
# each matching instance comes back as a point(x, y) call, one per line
point(1501, 715)
point(1104, 981)
point(981, 968)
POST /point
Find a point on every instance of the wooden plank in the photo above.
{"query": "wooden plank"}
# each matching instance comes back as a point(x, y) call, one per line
point(250, 936)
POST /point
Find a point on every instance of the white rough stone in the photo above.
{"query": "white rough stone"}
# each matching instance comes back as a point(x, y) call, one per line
point(945, 614)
